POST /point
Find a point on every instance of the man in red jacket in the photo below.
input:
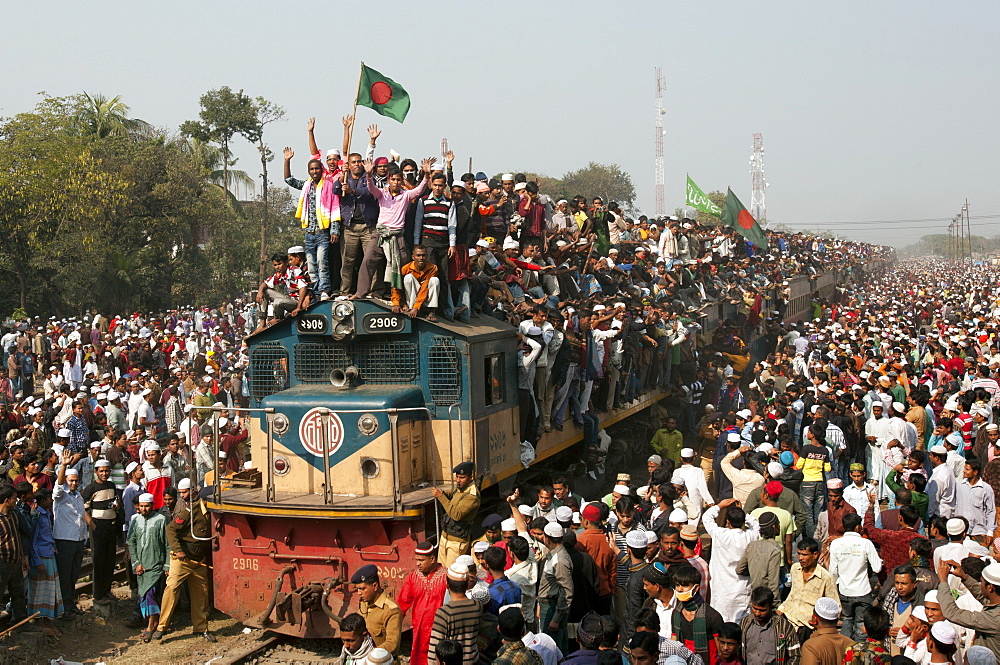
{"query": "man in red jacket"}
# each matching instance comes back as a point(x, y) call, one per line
point(594, 542)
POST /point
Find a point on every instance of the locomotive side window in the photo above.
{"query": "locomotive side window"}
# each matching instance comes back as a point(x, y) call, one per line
point(494, 379)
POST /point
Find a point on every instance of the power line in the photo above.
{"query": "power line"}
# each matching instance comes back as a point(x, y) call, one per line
point(899, 221)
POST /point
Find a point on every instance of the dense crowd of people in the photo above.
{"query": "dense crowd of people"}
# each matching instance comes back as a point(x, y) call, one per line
point(830, 500)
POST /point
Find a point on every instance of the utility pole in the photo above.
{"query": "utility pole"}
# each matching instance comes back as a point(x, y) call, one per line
point(444, 152)
point(758, 206)
point(968, 226)
point(661, 206)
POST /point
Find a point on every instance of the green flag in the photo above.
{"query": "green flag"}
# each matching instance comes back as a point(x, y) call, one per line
point(697, 199)
point(735, 216)
point(382, 94)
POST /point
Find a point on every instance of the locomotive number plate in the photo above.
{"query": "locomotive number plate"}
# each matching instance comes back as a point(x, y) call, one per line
point(378, 322)
point(312, 324)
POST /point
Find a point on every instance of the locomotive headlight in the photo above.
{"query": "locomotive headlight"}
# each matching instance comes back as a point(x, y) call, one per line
point(368, 424)
point(281, 465)
point(342, 330)
point(280, 424)
point(342, 310)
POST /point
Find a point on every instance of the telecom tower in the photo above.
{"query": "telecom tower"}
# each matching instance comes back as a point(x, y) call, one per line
point(661, 207)
point(444, 152)
point(758, 184)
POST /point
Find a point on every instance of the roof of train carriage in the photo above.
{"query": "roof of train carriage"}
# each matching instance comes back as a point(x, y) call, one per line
point(478, 329)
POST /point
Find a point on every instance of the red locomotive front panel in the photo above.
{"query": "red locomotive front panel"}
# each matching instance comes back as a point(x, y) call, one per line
point(291, 574)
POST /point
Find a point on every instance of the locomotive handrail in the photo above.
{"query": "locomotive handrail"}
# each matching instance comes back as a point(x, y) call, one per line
point(216, 408)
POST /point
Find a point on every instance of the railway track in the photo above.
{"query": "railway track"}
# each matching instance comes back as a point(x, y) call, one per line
point(274, 649)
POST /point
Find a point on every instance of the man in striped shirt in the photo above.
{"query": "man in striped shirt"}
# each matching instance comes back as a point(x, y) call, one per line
point(458, 619)
point(12, 557)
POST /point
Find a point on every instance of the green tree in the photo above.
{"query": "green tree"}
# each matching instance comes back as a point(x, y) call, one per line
point(265, 113)
point(223, 115)
point(605, 180)
point(100, 117)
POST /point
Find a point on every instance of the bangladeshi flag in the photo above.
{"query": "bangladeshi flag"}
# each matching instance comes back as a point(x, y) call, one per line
point(735, 216)
point(382, 94)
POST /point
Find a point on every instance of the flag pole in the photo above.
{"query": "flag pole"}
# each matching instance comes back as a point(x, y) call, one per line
point(354, 113)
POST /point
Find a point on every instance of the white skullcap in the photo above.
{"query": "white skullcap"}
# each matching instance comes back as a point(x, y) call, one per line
point(687, 452)
point(564, 514)
point(744, 414)
point(931, 597)
point(510, 243)
point(733, 437)
point(333, 151)
point(651, 537)
point(954, 526)
point(184, 484)
point(524, 510)
point(145, 392)
point(939, 450)
point(465, 560)
point(954, 439)
point(63, 433)
point(146, 498)
point(898, 407)
point(100, 463)
point(636, 539)
point(677, 479)
point(507, 176)
point(775, 469)
point(480, 546)
point(944, 631)
point(621, 489)
point(991, 573)
point(458, 572)
point(132, 466)
point(643, 491)
point(827, 608)
point(677, 515)
point(554, 530)
point(508, 525)
point(72, 472)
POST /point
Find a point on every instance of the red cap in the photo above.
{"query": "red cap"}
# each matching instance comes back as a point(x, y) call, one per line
point(379, 161)
point(591, 513)
point(773, 489)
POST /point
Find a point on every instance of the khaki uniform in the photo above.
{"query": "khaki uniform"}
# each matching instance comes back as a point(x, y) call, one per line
point(384, 621)
point(193, 568)
point(460, 507)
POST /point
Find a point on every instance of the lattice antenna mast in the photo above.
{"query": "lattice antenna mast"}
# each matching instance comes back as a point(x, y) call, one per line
point(661, 207)
point(444, 152)
point(758, 184)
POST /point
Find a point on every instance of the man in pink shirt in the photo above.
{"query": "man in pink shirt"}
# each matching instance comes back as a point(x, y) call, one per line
point(388, 246)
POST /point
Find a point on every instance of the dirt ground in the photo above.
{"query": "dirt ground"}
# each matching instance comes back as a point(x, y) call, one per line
point(88, 638)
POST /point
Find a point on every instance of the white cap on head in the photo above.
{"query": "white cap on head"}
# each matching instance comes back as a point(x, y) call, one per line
point(939, 450)
point(480, 546)
point(458, 572)
point(524, 510)
point(564, 514)
point(954, 526)
point(72, 472)
point(635, 539)
point(677, 515)
point(931, 597)
point(827, 608)
point(775, 469)
point(920, 613)
point(621, 489)
point(733, 437)
point(63, 433)
point(132, 466)
point(508, 525)
point(944, 631)
point(745, 414)
point(101, 463)
point(991, 573)
point(146, 498)
point(687, 452)
point(898, 407)
point(184, 484)
point(554, 530)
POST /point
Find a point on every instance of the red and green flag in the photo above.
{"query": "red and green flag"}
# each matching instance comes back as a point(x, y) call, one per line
point(382, 94)
point(735, 216)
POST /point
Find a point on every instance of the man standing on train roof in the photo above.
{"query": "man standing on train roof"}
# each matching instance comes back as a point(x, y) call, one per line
point(460, 507)
point(382, 615)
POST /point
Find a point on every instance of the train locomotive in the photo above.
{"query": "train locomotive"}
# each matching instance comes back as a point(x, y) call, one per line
point(356, 414)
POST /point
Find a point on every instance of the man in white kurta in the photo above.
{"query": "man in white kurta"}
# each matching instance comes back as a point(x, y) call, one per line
point(694, 479)
point(730, 592)
point(876, 433)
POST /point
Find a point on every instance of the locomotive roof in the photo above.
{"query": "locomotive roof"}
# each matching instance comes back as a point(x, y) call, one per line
point(477, 330)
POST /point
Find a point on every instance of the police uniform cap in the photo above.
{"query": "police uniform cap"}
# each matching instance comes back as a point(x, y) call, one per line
point(464, 469)
point(491, 521)
point(367, 574)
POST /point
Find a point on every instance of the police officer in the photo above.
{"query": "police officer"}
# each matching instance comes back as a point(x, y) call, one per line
point(189, 536)
point(382, 615)
point(460, 507)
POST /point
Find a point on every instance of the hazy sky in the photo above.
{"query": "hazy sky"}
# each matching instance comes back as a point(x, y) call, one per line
point(869, 111)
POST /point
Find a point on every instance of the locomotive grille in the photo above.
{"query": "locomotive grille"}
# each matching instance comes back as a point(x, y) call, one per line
point(268, 370)
point(444, 373)
point(378, 362)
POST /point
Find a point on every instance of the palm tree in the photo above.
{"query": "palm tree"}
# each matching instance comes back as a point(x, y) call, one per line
point(211, 161)
point(101, 118)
